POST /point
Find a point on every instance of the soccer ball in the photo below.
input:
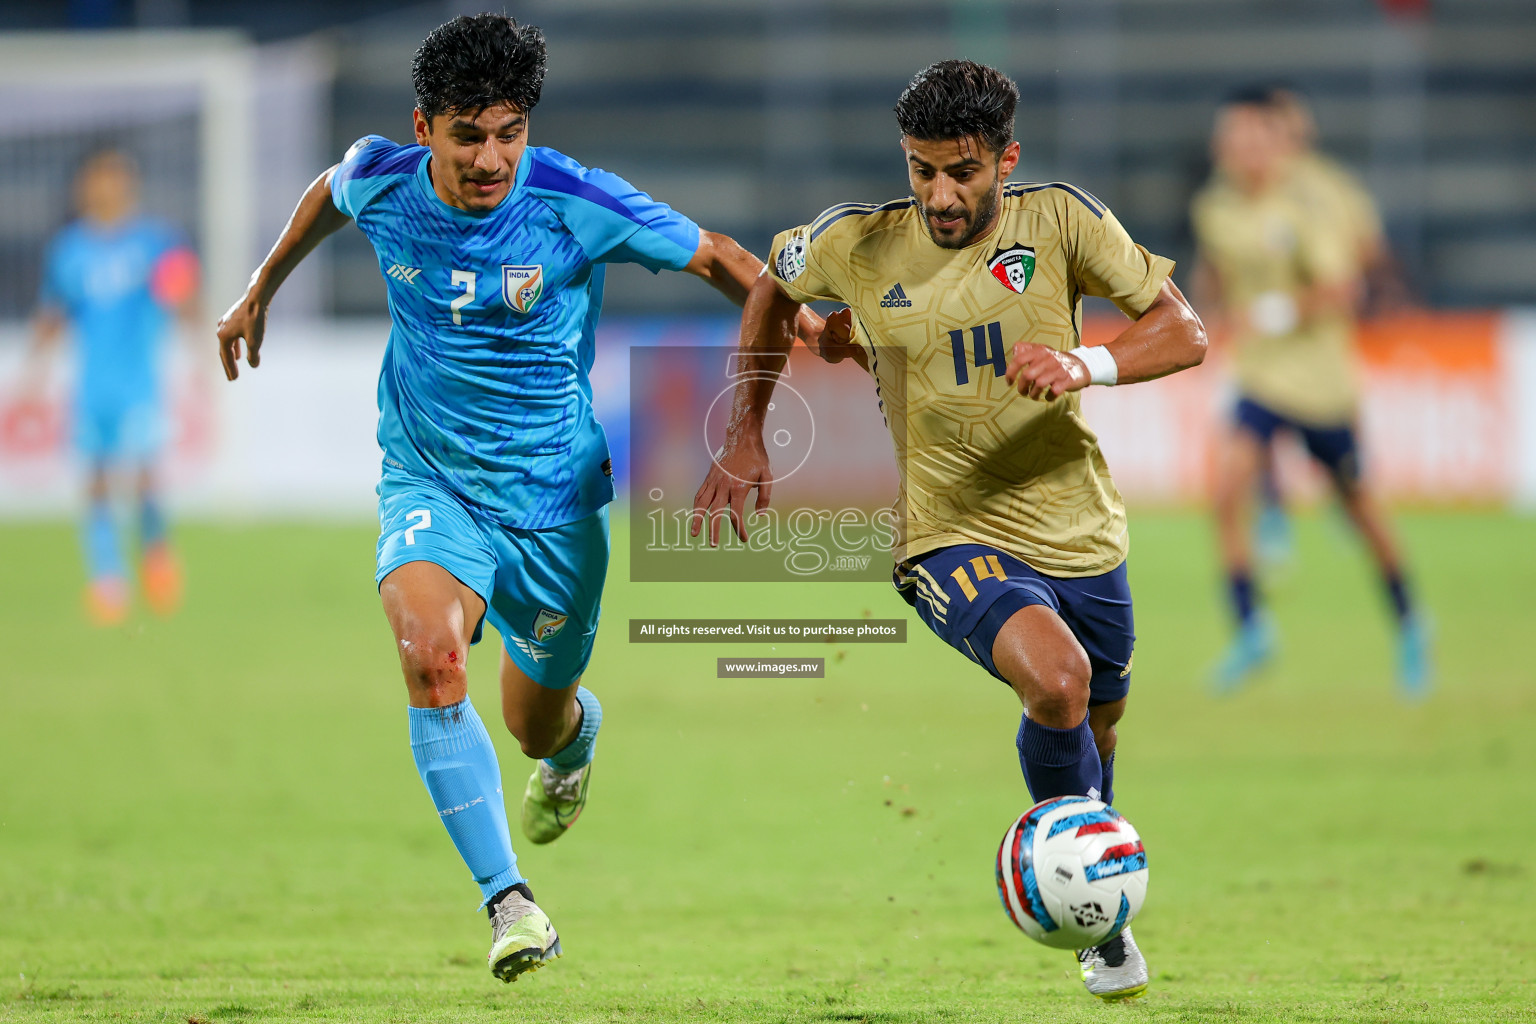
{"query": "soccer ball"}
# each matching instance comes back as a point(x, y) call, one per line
point(1071, 872)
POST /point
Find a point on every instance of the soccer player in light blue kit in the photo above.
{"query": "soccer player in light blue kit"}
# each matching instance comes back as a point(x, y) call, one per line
point(496, 477)
point(111, 281)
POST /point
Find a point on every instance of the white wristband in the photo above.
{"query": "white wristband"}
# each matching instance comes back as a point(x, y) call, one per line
point(1102, 368)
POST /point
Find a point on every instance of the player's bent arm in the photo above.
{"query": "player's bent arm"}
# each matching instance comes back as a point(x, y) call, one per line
point(722, 262)
point(1330, 298)
point(1207, 296)
point(767, 333)
point(1166, 338)
point(313, 219)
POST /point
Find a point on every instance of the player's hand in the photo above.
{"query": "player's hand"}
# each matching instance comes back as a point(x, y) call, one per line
point(1043, 373)
point(246, 320)
point(736, 469)
point(834, 342)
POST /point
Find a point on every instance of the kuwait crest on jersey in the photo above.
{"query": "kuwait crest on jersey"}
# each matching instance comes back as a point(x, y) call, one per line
point(1013, 267)
point(521, 286)
point(547, 624)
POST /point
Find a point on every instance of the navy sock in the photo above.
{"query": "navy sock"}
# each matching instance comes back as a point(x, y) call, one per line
point(1108, 772)
point(1240, 586)
point(1059, 762)
point(1397, 590)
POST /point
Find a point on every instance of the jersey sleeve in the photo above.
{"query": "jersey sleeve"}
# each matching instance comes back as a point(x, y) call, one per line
point(1107, 263)
point(1326, 255)
point(370, 166)
point(810, 262)
point(613, 221)
point(1364, 216)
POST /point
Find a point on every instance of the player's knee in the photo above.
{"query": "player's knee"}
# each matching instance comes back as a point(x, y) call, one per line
point(433, 667)
point(1059, 696)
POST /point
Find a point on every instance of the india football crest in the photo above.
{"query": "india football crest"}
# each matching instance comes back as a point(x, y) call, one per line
point(521, 286)
point(547, 624)
point(1013, 267)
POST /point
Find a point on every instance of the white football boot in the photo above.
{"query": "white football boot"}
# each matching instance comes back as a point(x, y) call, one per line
point(522, 939)
point(1115, 969)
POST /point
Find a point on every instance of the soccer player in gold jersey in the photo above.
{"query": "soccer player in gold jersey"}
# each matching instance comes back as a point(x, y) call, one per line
point(1343, 206)
point(967, 302)
point(1283, 277)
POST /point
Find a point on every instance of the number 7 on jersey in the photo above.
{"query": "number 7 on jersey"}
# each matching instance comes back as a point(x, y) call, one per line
point(466, 280)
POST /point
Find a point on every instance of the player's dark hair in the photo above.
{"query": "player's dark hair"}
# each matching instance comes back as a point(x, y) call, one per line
point(1250, 96)
point(477, 61)
point(1279, 89)
point(955, 99)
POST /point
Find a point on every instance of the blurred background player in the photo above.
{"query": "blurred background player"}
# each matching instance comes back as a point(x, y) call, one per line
point(1341, 202)
point(1282, 275)
point(1013, 542)
point(493, 504)
point(112, 280)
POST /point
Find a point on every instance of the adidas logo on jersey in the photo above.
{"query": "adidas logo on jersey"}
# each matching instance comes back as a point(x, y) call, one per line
point(532, 649)
point(401, 272)
point(895, 297)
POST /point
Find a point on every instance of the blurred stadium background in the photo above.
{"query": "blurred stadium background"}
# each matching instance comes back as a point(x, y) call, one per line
point(177, 843)
point(752, 117)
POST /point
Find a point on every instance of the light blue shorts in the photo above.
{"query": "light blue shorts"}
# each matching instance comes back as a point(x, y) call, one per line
point(542, 589)
point(133, 431)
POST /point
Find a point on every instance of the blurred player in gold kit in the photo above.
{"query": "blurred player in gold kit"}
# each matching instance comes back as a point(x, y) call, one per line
point(967, 298)
point(1285, 241)
point(1331, 190)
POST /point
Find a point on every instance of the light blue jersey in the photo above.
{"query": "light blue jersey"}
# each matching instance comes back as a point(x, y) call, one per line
point(99, 279)
point(484, 385)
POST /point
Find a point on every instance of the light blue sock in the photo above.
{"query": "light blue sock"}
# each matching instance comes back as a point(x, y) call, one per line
point(578, 753)
point(103, 557)
point(457, 762)
point(151, 523)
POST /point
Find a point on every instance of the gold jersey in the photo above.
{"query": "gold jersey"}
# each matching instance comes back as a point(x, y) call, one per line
point(1330, 190)
point(1265, 250)
point(980, 463)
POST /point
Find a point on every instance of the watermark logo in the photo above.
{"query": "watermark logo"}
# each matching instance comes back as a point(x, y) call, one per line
point(831, 478)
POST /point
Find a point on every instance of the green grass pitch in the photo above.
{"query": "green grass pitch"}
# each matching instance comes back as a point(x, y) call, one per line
point(216, 818)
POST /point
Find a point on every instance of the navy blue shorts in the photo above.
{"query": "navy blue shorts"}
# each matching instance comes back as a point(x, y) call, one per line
point(965, 593)
point(1334, 447)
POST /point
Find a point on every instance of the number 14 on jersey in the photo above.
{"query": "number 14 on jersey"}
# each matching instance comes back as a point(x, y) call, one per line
point(986, 349)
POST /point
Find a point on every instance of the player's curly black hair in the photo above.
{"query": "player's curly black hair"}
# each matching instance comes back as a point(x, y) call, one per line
point(955, 99)
point(477, 61)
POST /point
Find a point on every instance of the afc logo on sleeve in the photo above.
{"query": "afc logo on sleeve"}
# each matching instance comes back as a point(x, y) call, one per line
point(791, 261)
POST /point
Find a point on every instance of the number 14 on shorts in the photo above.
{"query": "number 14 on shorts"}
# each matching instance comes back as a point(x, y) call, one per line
point(985, 567)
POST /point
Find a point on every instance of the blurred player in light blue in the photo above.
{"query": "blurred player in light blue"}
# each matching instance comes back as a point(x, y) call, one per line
point(111, 281)
point(496, 475)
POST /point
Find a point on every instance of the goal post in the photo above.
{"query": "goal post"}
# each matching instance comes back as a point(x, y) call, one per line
point(182, 102)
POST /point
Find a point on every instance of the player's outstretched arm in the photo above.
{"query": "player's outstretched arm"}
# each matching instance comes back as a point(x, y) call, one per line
point(741, 464)
point(47, 332)
point(1166, 338)
point(722, 262)
point(315, 217)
